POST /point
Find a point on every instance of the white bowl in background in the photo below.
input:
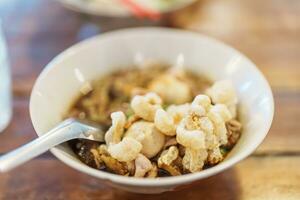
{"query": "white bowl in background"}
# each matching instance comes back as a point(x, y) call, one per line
point(59, 84)
point(115, 8)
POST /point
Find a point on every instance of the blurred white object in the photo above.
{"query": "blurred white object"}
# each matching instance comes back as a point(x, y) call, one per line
point(115, 8)
point(5, 84)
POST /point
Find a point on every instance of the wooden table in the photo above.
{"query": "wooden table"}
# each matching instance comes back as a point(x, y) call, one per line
point(267, 31)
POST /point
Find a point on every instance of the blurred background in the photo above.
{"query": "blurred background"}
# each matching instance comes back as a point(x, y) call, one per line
point(267, 31)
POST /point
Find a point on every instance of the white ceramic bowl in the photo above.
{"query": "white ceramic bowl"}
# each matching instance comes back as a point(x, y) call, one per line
point(117, 9)
point(59, 83)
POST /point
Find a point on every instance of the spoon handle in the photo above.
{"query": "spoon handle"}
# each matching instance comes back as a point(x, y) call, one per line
point(65, 131)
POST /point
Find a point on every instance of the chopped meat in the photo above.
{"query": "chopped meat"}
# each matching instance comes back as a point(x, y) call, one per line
point(166, 161)
point(234, 130)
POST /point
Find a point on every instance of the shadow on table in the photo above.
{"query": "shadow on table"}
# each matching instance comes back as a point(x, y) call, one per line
point(222, 186)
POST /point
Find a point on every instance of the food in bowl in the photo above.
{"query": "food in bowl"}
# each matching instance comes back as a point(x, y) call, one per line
point(159, 121)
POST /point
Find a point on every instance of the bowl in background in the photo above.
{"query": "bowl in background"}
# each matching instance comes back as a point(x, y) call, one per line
point(115, 8)
point(59, 83)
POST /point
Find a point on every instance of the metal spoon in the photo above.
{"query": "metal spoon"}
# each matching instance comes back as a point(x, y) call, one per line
point(66, 130)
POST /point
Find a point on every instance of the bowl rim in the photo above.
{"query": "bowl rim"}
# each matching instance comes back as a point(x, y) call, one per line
point(164, 181)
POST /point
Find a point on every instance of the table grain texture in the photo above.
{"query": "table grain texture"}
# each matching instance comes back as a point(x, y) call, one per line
point(267, 31)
